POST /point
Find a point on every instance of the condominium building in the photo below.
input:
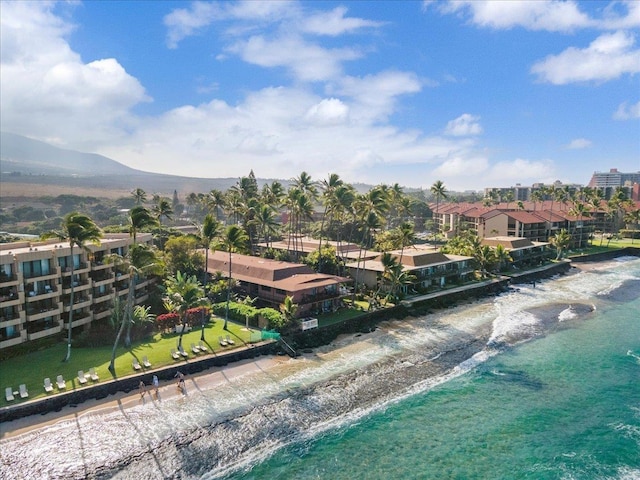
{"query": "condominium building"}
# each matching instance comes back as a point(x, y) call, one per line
point(36, 282)
point(613, 178)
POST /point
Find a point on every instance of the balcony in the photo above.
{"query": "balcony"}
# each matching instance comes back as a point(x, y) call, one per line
point(103, 279)
point(34, 315)
point(78, 303)
point(102, 296)
point(42, 294)
point(8, 280)
point(83, 267)
point(44, 333)
point(53, 274)
point(78, 286)
point(82, 319)
point(16, 340)
point(100, 265)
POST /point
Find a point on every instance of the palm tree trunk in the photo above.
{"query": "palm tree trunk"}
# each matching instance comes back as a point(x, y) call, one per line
point(68, 357)
point(129, 308)
point(204, 285)
point(226, 310)
point(112, 364)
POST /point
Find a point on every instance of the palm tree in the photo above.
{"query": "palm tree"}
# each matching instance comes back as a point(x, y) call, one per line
point(162, 209)
point(140, 218)
point(183, 293)
point(140, 260)
point(632, 218)
point(502, 256)
point(406, 237)
point(438, 189)
point(209, 230)
point(77, 229)
point(289, 309)
point(139, 195)
point(233, 240)
point(561, 241)
point(388, 262)
point(215, 202)
point(578, 210)
point(265, 219)
point(397, 278)
point(329, 187)
point(536, 196)
point(509, 197)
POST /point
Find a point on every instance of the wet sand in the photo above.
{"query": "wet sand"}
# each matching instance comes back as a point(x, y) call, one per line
point(205, 380)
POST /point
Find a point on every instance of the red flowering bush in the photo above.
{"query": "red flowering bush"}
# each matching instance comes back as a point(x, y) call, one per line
point(167, 321)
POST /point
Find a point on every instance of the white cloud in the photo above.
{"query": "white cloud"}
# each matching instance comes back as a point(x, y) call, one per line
point(375, 95)
point(306, 61)
point(334, 23)
point(621, 15)
point(551, 15)
point(46, 88)
point(460, 166)
point(330, 111)
point(521, 170)
point(184, 22)
point(465, 125)
point(608, 57)
point(578, 144)
point(627, 112)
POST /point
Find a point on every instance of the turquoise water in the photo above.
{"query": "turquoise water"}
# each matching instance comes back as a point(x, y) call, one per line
point(564, 406)
point(537, 383)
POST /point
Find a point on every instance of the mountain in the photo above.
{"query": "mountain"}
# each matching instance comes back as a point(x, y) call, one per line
point(24, 155)
point(27, 161)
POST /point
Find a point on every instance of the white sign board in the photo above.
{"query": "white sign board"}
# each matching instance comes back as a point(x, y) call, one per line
point(309, 323)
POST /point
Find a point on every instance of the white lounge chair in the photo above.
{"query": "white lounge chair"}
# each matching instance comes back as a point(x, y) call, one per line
point(93, 375)
point(23, 391)
point(174, 354)
point(8, 393)
point(47, 385)
point(146, 362)
point(222, 341)
point(202, 346)
point(229, 340)
point(62, 384)
point(182, 352)
point(136, 365)
point(195, 349)
point(81, 377)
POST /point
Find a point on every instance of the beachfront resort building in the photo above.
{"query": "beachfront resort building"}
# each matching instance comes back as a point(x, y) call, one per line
point(36, 280)
point(431, 268)
point(523, 252)
point(271, 281)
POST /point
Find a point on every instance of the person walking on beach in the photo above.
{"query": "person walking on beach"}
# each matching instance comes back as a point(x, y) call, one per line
point(181, 385)
point(155, 384)
point(142, 388)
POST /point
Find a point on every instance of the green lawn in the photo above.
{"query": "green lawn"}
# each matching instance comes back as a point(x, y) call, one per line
point(32, 369)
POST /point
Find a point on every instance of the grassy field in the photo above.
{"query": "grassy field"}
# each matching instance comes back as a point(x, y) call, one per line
point(33, 368)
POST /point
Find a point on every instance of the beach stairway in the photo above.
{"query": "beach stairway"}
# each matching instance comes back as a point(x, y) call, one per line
point(289, 350)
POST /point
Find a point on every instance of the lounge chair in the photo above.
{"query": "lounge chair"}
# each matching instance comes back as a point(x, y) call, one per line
point(146, 362)
point(195, 349)
point(202, 346)
point(182, 352)
point(8, 393)
point(93, 375)
point(136, 365)
point(23, 391)
point(81, 377)
point(174, 354)
point(229, 340)
point(62, 384)
point(222, 341)
point(47, 385)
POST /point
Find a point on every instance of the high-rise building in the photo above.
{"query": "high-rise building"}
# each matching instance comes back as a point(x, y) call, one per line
point(613, 178)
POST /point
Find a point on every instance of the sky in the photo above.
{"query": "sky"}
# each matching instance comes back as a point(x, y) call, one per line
point(473, 93)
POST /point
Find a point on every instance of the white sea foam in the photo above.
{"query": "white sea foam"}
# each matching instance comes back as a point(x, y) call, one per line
point(567, 314)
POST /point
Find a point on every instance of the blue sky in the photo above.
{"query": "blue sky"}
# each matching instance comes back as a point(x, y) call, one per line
point(472, 93)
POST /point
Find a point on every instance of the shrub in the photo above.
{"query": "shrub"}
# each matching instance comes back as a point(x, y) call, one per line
point(167, 321)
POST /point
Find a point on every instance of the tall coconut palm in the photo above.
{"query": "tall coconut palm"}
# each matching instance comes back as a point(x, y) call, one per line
point(183, 293)
point(289, 309)
point(329, 187)
point(139, 195)
point(439, 190)
point(406, 236)
point(77, 229)
point(140, 218)
point(209, 230)
point(140, 260)
point(579, 210)
point(265, 219)
point(502, 256)
point(215, 202)
point(163, 209)
point(233, 240)
point(561, 241)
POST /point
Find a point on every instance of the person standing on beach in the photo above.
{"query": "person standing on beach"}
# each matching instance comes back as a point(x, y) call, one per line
point(155, 384)
point(142, 388)
point(181, 385)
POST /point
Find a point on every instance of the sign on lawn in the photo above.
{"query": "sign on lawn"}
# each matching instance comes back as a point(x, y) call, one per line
point(309, 323)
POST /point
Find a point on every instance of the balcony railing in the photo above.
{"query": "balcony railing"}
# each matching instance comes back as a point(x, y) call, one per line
point(4, 278)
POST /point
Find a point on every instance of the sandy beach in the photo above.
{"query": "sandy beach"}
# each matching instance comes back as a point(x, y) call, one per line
point(206, 380)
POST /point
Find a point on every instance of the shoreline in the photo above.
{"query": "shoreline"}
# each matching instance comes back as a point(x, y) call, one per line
point(202, 380)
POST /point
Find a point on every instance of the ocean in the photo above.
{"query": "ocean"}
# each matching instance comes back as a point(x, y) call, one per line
point(536, 383)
